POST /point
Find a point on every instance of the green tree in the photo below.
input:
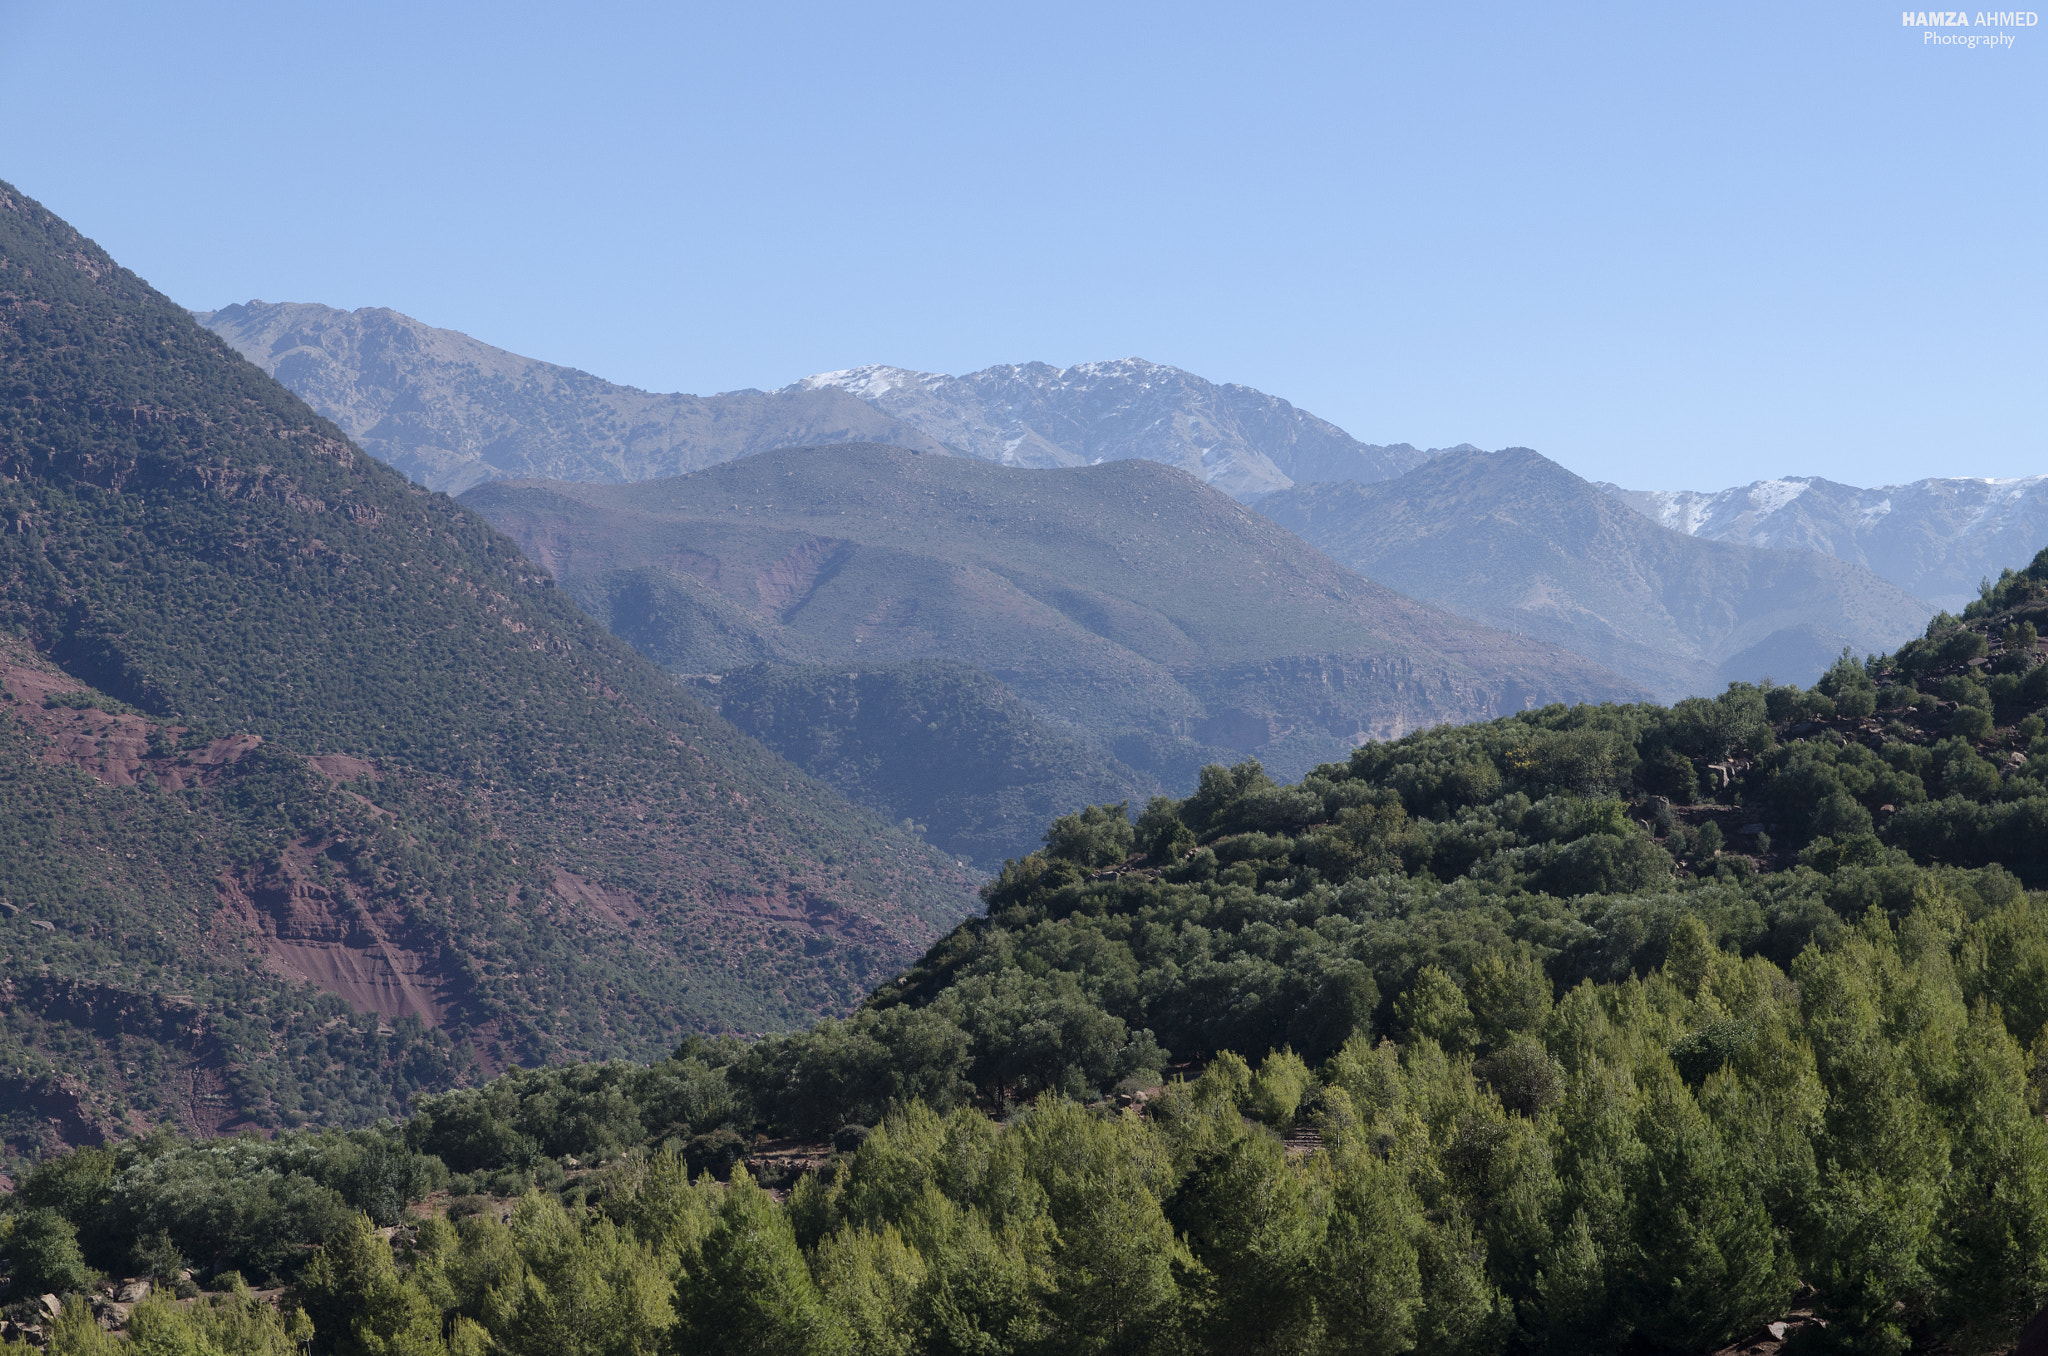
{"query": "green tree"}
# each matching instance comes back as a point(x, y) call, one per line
point(1256, 1227)
point(1434, 1008)
point(1991, 1260)
point(1509, 994)
point(752, 1292)
point(40, 1247)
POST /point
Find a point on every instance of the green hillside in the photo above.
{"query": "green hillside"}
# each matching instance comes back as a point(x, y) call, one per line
point(1514, 540)
point(1127, 599)
point(1502, 1038)
point(935, 743)
point(305, 727)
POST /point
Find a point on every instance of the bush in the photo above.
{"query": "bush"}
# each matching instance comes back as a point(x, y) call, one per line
point(1100, 835)
point(1970, 722)
point(40, 1248)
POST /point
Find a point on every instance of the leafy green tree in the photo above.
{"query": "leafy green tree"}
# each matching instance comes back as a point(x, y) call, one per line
point(1509, 995)
point(1256, 1228)
point(1435, 1008)
point(1278, 1087)
point(359, 1304)
point(1991, 1259)
point(1114, 1255)
point(1100, 835)
point(1705, 1262)
point(871, 1280)
point(40, 1247)
point(1882, 1153)
point(1367, 1276)
point(752, 1291)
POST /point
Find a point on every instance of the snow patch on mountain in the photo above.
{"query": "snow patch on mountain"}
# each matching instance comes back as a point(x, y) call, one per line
point(1935, 538)
point(1244, 442)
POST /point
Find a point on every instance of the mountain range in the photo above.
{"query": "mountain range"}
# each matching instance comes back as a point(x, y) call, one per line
point(1127, 600)
point(1937, 539)
point(1516, 541)
point(318, 793)
point(450, 411)
point(1244, 442)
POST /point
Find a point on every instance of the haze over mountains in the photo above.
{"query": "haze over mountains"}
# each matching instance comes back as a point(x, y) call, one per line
point(1936, 539)
point(1127, 600)
point(450, 411)
point(1244, 442)
point(317, 793)
point(1514, 540)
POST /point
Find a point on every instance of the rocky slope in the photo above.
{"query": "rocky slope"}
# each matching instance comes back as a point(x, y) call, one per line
point(317, 793)
point(1244, 442)
point(1127, 600)
point(1937, 539)
point(450, 411)
point(1514, 540)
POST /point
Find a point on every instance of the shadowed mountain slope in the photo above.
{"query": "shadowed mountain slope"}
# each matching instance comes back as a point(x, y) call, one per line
point(1126, 599)
point(293, 746)
point(938, 743)
point(1514, 540)
point(1936, 539)
point(451, 411)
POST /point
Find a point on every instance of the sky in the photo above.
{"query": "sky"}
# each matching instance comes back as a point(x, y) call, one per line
point(1672, 246)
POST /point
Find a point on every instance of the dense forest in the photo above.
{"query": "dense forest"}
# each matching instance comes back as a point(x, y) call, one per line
point(1590, 1029)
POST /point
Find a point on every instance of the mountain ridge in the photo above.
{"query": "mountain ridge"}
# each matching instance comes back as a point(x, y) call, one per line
point(1937, 538)
point(1517, 541)
point(451, 411)
point(1241, 440)
point(1126, 598)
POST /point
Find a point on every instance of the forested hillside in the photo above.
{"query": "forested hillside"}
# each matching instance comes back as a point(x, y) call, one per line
point(1591, 1029)
point(319, 794)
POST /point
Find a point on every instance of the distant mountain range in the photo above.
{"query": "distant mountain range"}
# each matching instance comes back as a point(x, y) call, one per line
point(454, 413)
point(1936, 539)
point(1514, 540)
point(451, 412)
point(1126, 600)
point(1244, 442)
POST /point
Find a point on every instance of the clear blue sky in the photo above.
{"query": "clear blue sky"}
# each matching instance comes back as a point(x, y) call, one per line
point(1669, 245)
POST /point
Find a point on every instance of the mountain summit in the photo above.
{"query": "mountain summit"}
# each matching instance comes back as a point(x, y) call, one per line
point(1936, 539)
point(451, 411)
point(1244, 442)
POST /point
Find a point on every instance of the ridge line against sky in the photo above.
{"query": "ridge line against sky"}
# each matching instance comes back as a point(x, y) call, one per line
point(1682, 250)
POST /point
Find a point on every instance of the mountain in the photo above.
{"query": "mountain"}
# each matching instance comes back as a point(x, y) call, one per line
point(1936, 539)
point(1514, 540)
point(1244, 442)
point(318, 794)
point(1127, 600)
point(936, 743)
point(450, 411)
